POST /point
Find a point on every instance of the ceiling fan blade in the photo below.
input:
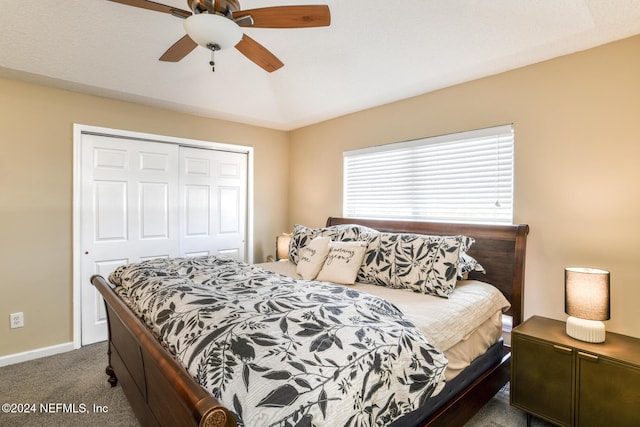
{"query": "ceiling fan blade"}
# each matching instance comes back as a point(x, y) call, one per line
point(179, 50)
point(258, 54)
point(151, 5)
point(285, 17)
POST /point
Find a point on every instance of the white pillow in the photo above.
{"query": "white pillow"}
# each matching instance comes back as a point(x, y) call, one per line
point(311, 257)
point(343, 262)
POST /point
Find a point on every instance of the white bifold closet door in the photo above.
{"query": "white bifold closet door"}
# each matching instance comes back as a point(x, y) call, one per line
point(143, 200)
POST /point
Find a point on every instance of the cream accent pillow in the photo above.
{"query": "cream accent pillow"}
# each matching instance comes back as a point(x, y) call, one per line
point(343, 262)
point(312, 257)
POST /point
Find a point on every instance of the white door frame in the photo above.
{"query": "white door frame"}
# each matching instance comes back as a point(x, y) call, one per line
point(78, 130)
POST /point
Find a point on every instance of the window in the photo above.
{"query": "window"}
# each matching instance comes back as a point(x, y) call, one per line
point(461, 177)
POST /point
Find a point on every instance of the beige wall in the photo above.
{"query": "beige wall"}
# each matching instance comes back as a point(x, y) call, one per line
point(577, 124)
point(36, 192)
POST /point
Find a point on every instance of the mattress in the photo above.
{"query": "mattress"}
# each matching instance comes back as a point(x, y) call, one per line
point(463, 326)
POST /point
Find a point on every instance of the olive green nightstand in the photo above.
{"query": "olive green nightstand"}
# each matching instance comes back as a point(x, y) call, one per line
point(573, 383)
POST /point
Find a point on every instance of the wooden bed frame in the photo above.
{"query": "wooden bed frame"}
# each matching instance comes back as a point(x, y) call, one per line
point(162, 393)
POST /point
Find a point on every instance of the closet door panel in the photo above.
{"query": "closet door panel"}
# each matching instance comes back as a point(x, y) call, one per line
point(154, 210)
point(197, 210)
point(230, 201)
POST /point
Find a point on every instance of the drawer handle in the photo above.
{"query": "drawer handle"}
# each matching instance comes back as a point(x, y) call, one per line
point(588, 356)
point(561, 348)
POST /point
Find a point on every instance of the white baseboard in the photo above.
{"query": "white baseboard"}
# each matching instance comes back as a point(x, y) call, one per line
point(12, 359)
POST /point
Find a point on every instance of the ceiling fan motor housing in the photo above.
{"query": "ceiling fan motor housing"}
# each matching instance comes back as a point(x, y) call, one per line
point(219, 7)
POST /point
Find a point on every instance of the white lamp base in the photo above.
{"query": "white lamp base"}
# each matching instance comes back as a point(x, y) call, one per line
point(585, 330)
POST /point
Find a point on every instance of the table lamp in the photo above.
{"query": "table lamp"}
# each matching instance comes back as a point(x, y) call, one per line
point(586, 301)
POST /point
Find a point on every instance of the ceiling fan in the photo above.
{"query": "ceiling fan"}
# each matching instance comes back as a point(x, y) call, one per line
point(224, 18)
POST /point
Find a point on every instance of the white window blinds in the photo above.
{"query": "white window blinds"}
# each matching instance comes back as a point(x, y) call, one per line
point(462, 177)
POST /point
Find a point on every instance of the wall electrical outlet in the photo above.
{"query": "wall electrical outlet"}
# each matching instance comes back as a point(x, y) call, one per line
point(17, 320)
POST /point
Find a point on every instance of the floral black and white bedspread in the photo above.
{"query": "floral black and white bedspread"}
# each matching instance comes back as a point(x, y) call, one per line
point(278, 351)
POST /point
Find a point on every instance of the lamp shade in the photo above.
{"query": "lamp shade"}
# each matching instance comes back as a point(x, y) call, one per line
point(586, 293)
point(282, 246)
point(210, 30)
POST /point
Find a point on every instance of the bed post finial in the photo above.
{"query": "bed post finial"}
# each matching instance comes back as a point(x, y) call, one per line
point(216, 417)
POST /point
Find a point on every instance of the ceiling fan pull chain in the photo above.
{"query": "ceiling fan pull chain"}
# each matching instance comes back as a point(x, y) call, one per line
point(213, 47)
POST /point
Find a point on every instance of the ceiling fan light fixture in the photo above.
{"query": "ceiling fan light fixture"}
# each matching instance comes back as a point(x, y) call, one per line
point(213, 30)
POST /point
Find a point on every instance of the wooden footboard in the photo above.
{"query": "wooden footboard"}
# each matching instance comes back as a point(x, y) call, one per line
point(162, 393)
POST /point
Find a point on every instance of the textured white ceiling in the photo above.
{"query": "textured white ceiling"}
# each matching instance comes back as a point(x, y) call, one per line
point(374, 52)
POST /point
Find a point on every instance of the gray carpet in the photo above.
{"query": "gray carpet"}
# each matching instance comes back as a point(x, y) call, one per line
point(73, 378)
point(73, 388)
point(498, 413)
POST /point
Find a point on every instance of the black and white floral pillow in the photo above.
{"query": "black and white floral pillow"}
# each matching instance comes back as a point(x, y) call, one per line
point(467, 265)
point(302, 236)
point(421, 263)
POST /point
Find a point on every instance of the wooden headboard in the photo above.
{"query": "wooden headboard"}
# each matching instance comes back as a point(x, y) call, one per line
point(499, 248)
